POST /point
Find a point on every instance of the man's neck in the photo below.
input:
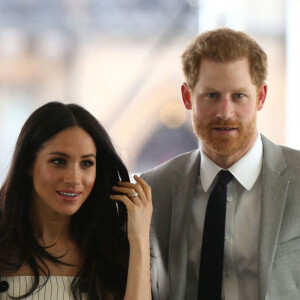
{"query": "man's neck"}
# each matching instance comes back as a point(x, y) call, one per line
point(226, 160)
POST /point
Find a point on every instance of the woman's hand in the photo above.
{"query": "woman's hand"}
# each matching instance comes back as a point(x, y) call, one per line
point(138, 201)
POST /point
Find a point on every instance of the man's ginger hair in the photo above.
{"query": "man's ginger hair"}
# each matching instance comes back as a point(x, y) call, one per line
point(224, 45)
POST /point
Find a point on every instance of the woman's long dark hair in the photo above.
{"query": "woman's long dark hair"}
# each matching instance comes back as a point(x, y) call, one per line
point(99, 226)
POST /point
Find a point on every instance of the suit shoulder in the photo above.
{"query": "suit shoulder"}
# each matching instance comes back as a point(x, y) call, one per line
point(291, 153)
point(278, 157)
point(292, 157)
point(174, 165)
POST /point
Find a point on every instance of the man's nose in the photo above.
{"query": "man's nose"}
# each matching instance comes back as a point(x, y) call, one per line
point(225, 108)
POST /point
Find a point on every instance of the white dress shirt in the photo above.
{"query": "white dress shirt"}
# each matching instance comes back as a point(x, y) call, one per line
point(240, 280)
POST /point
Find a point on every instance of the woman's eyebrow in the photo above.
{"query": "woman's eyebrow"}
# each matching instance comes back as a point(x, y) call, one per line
point(67, 155)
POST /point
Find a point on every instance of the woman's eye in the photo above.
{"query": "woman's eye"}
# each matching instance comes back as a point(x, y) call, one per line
point(58, 161)
point(87, 163)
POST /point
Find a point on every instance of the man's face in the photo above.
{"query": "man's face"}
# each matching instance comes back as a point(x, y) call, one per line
point(224, 103)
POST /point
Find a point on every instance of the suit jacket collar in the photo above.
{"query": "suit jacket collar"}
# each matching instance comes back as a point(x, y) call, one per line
point(182, 194)
point(273, 199)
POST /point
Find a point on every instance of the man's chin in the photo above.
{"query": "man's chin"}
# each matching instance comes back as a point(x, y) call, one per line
point(223, 149)
point(227, 144)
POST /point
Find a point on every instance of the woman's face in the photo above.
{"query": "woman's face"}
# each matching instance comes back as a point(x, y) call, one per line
point(64, 172)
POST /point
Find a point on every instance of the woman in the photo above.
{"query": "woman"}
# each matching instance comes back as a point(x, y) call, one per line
point(69, 215)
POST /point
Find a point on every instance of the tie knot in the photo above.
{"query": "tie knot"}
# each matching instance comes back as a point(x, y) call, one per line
point(224, 177)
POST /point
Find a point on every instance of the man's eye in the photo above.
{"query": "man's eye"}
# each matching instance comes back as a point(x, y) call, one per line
point(87, 163)
point(58, 161)
point(239, 95)
point(211, 95)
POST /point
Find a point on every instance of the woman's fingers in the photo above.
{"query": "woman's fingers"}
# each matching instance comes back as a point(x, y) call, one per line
point(146, 187)
point(123, 198)
point(137, 192)
point(132, 193)
point(139, 207)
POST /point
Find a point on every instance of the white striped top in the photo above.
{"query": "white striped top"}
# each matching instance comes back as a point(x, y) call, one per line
point(56, 288)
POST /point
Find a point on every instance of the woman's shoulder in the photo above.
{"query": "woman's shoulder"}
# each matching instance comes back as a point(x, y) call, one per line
point(54, 287)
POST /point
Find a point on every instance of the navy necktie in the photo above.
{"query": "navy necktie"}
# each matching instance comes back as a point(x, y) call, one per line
point(212, 253)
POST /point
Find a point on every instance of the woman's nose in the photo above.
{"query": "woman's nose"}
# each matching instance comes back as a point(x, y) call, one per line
point(72, 175)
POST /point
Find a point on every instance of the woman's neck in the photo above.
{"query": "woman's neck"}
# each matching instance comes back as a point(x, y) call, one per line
point(50, 228)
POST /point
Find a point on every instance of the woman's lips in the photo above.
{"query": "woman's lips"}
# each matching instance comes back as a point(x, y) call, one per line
point(69, 195)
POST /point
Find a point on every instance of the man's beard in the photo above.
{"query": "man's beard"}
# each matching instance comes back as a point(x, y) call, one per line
point(225, 145)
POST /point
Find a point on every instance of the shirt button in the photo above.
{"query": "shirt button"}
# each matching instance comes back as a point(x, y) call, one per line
point(229, 199)
point(4, 286)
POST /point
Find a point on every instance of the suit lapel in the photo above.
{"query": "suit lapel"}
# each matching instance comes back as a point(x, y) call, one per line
point(274, 192)
point(182, 194)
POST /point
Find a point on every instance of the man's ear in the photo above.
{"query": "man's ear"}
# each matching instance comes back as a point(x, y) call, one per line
point(261, 97)
point(186, 96)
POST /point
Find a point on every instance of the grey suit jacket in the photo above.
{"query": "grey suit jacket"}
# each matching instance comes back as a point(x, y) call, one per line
point(173, 185)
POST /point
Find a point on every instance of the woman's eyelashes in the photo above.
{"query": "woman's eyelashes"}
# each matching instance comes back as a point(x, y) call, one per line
point(87, 164)
point(61, 162)
point(58, 161)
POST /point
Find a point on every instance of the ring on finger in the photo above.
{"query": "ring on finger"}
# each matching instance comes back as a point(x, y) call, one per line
point(135, 194)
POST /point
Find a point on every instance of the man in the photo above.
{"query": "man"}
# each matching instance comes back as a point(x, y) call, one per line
point(225, 73)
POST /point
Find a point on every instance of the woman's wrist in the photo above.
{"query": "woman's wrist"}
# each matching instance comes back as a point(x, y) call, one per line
point(140, 244)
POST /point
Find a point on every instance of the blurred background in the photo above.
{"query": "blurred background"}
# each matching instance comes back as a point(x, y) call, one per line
point(121, 61)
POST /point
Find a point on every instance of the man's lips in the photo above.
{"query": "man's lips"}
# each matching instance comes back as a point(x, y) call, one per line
point(225, 129)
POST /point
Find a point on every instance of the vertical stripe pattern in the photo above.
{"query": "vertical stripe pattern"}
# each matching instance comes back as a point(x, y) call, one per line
point(57, 287)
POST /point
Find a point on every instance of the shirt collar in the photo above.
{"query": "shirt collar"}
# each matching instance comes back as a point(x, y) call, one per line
point(246, 170)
